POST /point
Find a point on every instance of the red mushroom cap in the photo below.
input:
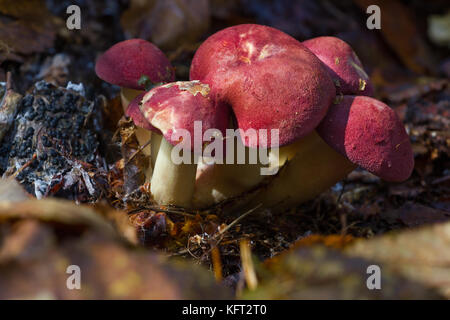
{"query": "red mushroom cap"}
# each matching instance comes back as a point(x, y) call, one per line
point(177, 105)
point(343, 64)
point(126, 62)
point(134, 112)
point(270, 80)
point(369, 134)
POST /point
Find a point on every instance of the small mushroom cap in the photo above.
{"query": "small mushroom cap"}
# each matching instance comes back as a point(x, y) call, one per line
point(176, 106)
point(369, 134)
point(270, 80)
point(343, 64)
point(126, 62)
point(134, 112)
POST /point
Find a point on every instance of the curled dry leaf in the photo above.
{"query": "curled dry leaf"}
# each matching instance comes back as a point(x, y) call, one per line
point(134, 160)
point(332, 241)
point(421, 255)
point(11, 191)
point(109, 271)
point(55, 211)
point(40, 239)
point(413, 215)
point(320, 273)
point(9, 104)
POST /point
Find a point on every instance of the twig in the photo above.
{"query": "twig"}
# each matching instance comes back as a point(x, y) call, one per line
point(9, 85)
point(155, 208)
point(221, 232)
point(138, 151)
point(26, 164)
point(217, 263)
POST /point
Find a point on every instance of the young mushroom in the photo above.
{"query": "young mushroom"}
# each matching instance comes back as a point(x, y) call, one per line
point(178, 110)
point(343, 65)
point(130, 64)
point(369, 134)
point(135, 65)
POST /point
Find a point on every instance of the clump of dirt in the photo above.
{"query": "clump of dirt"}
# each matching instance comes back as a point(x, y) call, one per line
point(53, 145)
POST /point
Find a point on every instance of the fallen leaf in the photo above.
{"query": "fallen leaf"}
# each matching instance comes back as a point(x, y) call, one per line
point(9, 105)
point(415, 214)
point(421, 255)
point(29, 28)
point(332, 241)
point(109, 271)
point(56, 211)
point(320, 273)
point(167, 23)
point(11, 191)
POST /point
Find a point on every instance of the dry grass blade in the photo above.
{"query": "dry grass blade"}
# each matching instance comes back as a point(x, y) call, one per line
point(247, 265)
point(234, 222)
point(168, 210)
point(138, 151)
point(217, 263)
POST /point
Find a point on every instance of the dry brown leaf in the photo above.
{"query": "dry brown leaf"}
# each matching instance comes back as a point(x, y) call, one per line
point(415, 214)
point(12, 191)
point(55, 211)
point(167, 23)
point(134, 161)
point(29, 28)
point(320, 273)
point(422, 255)
point(331, 241)
point(108, 271)
point(40, 239)
point(9, 104)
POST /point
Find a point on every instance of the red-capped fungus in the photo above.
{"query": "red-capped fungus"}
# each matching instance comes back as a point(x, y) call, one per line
point(357, 131)
point(132, 65)
point(369, 134)
point(343, 64)
point(272, 81)
point(174, 110)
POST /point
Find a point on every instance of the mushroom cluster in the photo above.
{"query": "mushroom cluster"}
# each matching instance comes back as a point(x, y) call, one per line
point(317, 94)
point(311, 99)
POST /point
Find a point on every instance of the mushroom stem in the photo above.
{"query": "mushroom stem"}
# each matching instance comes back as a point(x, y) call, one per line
point(143, 136)
point(155, 145)
point(219, 182)
point(172, 183)
point(313, 167)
